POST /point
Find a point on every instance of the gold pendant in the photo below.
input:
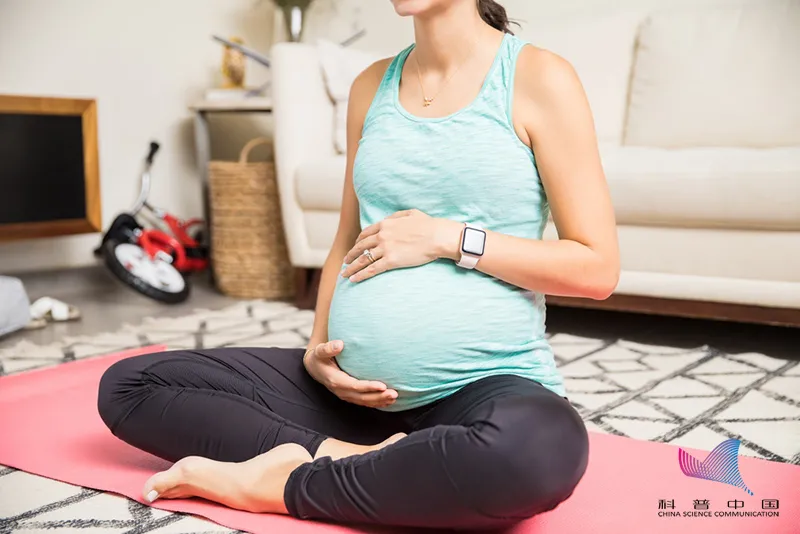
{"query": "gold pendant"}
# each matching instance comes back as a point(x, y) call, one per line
point(427, 102)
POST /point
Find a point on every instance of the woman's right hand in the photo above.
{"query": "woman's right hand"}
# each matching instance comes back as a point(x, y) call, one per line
point(320, 362)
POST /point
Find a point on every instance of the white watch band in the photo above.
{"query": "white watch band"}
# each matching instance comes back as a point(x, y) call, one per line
point(468, 261)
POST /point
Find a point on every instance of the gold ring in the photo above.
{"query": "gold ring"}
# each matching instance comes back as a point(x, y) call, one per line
point(368, 254)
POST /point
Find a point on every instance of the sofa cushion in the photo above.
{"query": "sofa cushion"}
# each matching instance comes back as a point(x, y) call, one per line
point(694, 188)
point(601, 49)
point(341, 66)
point(319, 183)
point(705, 188)
point(726, 76)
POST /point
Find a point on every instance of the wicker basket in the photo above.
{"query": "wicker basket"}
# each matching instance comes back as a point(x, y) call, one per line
point(248, 244)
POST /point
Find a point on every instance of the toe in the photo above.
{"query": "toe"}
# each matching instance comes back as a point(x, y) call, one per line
point(150, 495)
point(161, 483)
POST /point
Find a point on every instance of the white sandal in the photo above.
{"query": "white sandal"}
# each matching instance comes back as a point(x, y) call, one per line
point(52, 310)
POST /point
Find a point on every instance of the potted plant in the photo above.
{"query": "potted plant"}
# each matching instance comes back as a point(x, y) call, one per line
point(293, 13)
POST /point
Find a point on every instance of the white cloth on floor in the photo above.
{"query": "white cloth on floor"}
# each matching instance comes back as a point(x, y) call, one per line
point(14, 305)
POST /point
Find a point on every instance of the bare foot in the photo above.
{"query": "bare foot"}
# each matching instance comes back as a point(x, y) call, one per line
point(255, 485)
point(340, 449)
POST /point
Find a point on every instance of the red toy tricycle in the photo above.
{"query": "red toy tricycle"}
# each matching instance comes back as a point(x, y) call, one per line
point(154, 261)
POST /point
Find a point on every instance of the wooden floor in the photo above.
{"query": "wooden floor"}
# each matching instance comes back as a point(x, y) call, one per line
point(687, 308)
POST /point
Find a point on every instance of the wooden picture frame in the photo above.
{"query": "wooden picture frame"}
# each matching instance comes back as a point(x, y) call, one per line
point(87, 110)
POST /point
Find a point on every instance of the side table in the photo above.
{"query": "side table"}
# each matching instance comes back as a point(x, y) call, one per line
point(202, 139)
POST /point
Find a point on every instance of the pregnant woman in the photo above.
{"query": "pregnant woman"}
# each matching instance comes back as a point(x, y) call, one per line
point(428, 395)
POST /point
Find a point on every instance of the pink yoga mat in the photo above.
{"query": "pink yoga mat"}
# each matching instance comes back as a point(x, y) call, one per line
point(49, 426)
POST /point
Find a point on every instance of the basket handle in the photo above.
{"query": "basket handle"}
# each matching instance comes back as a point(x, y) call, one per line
point(245, 154)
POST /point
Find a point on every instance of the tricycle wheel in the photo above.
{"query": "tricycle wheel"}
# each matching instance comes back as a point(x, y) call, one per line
point(152, 277)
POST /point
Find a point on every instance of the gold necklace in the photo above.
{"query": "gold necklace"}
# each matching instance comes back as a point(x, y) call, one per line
point(426, 102)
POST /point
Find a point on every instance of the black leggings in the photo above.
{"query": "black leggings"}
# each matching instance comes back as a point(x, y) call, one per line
point(500, 450)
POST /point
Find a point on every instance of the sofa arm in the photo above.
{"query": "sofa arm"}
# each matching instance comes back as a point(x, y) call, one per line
point(303, 130)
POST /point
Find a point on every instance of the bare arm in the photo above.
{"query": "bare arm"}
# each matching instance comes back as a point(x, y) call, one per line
point(551, 106)
point(361, 96)
point(320, 357)
point(552, 116)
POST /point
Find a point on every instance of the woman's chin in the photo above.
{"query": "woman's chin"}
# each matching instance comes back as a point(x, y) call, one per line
point(410, 8)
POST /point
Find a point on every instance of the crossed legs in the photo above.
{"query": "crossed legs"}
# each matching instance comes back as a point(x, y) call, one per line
point(250, 429)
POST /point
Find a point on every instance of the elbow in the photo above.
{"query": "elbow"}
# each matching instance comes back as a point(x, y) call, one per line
point(603, 290)
point(604, 285)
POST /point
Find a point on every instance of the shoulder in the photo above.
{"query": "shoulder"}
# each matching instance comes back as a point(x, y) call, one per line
point(544, 77)
point(363, 91)
point(367, 82)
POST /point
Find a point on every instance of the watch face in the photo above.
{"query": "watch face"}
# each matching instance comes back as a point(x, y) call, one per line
point(474, 241)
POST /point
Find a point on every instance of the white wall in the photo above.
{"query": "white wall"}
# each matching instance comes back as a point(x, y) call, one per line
point(144, 61)
point(388, 33)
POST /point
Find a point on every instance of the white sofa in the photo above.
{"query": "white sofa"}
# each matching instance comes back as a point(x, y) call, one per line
point(698, 117)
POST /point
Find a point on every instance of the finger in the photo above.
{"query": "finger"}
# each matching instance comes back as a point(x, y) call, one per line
point(374, 400)
point(380, 266)
point(370, 230)
point(343, 383)
point(356, 265)
point(329, 350)
point(359, 248)
point(362, 262)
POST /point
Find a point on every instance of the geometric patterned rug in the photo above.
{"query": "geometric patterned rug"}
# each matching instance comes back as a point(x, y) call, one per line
point(689, 397)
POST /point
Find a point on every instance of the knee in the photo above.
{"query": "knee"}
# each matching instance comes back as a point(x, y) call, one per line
point(539, 456)
point(118, 388)
point(546, 474)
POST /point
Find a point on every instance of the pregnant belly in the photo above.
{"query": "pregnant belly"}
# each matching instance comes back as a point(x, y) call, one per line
point(425, 328)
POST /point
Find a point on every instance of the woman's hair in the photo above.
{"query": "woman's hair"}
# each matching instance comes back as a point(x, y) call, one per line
point(494, 15)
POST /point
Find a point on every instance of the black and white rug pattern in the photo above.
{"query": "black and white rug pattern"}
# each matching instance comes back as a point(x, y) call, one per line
point(688, 397)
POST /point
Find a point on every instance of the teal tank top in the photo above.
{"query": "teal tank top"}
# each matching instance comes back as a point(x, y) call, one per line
point(428, 331)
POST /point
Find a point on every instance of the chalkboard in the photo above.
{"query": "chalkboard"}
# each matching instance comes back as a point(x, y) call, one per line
point(42, 177)
point(49, 183)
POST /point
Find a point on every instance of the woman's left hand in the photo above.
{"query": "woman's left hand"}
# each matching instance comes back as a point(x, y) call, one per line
point(404, 239)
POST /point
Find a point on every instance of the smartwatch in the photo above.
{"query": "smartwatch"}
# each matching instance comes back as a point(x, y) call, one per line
point(473, 242)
